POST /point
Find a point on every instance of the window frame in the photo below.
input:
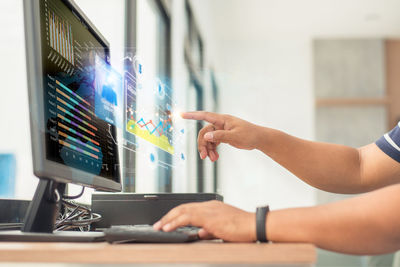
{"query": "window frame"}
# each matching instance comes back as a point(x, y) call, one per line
point(129, 157)
point(196, 80)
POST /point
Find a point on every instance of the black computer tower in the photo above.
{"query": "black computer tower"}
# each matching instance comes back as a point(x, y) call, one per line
point(132, 208)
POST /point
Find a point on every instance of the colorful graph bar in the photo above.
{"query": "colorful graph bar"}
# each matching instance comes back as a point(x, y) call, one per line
point(77, 141)
point(61, 37)
point(76, 117)
point(71, 92)
point(77, 149)
point(75, 124)
point(78, 134)
point(74, 109)
point(73, 100)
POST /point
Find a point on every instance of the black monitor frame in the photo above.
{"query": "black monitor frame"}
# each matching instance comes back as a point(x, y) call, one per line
point(53, 176)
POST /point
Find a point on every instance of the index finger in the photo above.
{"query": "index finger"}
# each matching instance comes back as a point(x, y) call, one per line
point(214, 118)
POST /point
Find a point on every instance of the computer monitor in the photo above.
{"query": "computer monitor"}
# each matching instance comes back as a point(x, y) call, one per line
point(70, 143)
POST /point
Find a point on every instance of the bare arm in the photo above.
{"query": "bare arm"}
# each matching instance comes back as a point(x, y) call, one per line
point(367, 224)
point(333, 168)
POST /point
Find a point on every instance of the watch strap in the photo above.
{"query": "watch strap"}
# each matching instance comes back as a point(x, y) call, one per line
point(261, 218)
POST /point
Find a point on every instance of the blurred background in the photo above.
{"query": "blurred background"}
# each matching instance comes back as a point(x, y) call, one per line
point(321, 70)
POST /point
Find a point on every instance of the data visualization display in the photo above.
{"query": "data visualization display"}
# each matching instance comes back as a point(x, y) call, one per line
point(77, 134)
point(152, 122)
point(152, 126)
point(61, 36)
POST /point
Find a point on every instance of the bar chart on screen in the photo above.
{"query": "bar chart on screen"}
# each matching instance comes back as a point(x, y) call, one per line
point(60, 36)
point(60, 39)
point(76, 131)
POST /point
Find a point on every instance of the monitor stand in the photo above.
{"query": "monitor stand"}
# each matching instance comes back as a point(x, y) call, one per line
point(41, 216)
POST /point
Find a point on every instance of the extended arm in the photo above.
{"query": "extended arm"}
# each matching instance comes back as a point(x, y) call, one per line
point(368, 224)
point(330, 167)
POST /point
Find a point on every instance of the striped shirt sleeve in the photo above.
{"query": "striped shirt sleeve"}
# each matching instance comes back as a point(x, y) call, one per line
point(390, 143)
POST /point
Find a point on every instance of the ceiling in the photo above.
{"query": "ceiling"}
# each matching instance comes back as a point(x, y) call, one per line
point(250, 20)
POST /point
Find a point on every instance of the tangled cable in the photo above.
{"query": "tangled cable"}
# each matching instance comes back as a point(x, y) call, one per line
point(74, 216)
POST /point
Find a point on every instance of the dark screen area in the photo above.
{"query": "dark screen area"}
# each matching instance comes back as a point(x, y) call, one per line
point(75, 136)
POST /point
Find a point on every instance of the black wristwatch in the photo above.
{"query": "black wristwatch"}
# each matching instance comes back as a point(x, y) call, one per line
point(261, 218)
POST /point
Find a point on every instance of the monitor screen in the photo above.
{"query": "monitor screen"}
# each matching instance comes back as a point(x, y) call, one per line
point(75, 136)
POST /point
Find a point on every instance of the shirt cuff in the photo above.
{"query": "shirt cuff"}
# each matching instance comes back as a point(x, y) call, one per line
point(389, 143)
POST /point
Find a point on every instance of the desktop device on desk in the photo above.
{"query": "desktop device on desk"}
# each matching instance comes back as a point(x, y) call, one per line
point(140, 208)
point(71, 131)
point(70, 144)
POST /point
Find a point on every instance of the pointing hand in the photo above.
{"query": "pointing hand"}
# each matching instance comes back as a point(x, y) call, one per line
point(223, 129)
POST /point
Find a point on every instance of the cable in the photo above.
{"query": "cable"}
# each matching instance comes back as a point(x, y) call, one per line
point(75, 217)
point(77, 196)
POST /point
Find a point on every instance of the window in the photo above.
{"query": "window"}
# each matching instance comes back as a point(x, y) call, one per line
point(148, 38)
point(194, 61)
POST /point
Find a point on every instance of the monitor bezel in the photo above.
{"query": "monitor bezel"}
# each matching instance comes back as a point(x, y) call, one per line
point(42, 167)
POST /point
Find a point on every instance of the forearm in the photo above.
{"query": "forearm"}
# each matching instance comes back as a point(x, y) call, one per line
point(368, 224)
point(330, 167)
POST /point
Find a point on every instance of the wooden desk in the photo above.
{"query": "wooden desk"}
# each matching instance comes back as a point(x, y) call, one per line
point(193, 253)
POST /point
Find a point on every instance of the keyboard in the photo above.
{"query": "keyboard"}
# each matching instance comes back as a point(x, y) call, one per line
point(147, 234)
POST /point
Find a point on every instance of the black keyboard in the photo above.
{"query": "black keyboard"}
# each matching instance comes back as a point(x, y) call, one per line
point(147, 234)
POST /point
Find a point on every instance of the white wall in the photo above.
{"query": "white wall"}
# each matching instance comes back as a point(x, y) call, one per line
point(262, 50)
point(14, 118)
point(272, 89)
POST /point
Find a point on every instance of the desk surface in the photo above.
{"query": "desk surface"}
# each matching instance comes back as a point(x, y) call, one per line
point(197, 252)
